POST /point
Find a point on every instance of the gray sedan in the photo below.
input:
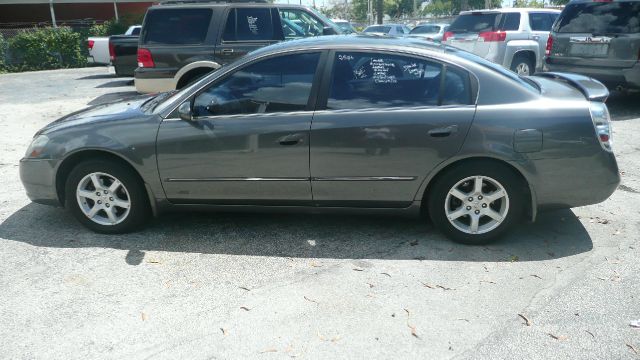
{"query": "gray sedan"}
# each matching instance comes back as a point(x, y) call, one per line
point(338, 124)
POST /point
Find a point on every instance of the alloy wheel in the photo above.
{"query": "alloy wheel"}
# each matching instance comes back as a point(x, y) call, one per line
point(103, 198)
point(477, 204)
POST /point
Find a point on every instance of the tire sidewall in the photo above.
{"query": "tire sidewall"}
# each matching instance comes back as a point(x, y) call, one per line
point(505, 176)
point(139, 211)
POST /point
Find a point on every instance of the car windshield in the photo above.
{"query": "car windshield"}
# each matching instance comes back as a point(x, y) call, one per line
point(426, 29)
point(497, 68)
point(378, 29)
point(475, 22)
point(600, 18)
point(326, 21)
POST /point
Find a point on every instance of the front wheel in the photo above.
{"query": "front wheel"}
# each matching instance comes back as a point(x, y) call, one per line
point(106, 197)
point(475, 203)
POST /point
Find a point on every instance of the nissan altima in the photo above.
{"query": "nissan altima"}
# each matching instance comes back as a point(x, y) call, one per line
point(337, 124)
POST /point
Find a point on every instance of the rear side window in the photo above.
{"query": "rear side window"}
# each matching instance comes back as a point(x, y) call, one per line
point(425, 29)
point(177, 26)
point(475, 22)
point(370, 80)
point(541, 21)
point(600, 18)
point(510, 21)
point(250, 24)
point(380, 29)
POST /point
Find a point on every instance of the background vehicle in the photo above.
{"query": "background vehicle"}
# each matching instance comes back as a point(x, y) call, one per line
point(346, 26)
point(182, 41)
point(398, 126)
point(387, 29)
point(600, 39)
point(123, 50)
point(99, 45)
point(513, 38)
point(433, 32)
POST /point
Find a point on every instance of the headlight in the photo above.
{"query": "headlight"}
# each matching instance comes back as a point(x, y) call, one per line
point(37, 146)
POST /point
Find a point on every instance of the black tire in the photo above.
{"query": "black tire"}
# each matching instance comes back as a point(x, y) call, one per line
point(523, 59)
point(505, 176)
point(139, 210)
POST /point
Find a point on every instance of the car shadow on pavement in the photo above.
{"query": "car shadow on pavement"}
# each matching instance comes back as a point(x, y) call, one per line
point(111, 97)
point(555, 235)
point(98, 76)
point(624, 106)
point(116, 83)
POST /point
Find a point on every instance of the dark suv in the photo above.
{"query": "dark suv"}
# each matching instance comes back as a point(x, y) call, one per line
point(600, 39)
point(183, 40)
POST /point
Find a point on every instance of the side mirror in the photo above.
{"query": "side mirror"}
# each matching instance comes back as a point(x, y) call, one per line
point(184, 111)
point(328, 30)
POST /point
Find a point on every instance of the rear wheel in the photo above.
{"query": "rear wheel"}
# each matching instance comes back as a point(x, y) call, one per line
point(475, 203)
point(522, 65)
point(106, 197)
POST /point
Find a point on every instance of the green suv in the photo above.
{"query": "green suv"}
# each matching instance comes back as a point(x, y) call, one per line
point(182, 40)
point(600, 39)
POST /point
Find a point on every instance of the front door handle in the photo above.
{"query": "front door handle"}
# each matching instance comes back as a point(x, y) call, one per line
point(227, 51)
point(444, 131)
point(291, 139)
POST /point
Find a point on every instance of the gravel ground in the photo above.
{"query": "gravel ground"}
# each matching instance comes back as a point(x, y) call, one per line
point(204, 286)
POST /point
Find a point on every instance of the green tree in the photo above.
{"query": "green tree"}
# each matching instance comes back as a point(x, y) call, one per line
point(529, 3)
point(453, 7)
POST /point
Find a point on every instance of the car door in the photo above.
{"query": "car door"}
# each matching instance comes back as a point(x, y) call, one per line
point(248, 142)
point(385, 121)
point(247, 29)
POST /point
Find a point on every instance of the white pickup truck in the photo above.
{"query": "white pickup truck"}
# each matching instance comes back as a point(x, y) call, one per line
point(99, 46)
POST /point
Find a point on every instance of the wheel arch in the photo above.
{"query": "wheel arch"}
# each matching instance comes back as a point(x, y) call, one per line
point(530, 54)
point(193, 68)
point(530, 196)
point(72, 160)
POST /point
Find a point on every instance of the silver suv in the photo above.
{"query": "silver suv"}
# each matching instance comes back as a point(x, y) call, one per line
point(513, 38)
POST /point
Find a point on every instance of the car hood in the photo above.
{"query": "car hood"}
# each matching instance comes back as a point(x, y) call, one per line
point(114, 111)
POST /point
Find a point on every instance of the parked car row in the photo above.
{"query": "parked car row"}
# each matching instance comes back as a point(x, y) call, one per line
point(117, 50)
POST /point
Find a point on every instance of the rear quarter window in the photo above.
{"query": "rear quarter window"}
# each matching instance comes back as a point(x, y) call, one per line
point(600, 18)
point(541, 21)
point(177, 26)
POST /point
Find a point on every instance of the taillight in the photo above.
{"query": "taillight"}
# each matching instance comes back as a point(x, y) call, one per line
point(547, 52)
point(447, 35)
point(90, 44)
point(601, 123)
point(112, 51)
point(493, 36)
point(145, 60)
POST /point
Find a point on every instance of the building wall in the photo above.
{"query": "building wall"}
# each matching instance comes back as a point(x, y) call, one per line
point(38, 13)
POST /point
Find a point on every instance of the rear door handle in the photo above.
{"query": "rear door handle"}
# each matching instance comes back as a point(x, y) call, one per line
point(536, 37)
point(291, 139)
point(444, 131)
point(227, 51)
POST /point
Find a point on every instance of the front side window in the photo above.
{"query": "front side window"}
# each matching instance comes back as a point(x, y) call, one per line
point(177, 26)
point(297, 23)
point(249, 24)
point(279, 84)
point(368, 80)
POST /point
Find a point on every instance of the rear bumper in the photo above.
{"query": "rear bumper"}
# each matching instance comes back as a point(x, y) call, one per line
point(573, 182)
point(611, 77)
point(38, 179)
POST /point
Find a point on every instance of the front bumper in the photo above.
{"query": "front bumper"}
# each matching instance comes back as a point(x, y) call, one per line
point(38, 179)
point(611, 77)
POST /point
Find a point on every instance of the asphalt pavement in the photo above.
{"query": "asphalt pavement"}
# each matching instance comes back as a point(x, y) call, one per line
point(231, 286)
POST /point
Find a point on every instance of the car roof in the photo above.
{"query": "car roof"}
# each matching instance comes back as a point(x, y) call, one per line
point(510, 10)
point(355, 42)
point(209, 4)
